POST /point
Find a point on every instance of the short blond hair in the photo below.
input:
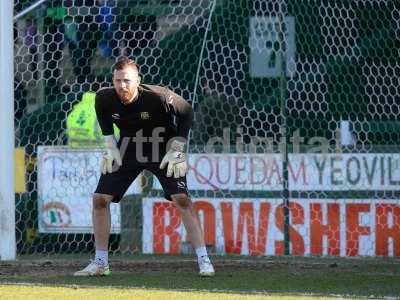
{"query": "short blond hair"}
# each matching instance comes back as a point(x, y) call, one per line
point(125, 62)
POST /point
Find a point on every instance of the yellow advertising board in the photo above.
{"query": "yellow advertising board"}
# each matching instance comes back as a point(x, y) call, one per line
point(20, 170)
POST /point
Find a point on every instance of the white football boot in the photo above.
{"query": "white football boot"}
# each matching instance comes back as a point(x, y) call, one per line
point(95, 268)
point(206, 267)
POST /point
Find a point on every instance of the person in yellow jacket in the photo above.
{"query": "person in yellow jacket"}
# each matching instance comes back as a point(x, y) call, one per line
point(82, 126)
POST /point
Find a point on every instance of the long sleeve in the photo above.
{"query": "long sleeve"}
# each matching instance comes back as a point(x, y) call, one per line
point(183, 112)
point(104, 119)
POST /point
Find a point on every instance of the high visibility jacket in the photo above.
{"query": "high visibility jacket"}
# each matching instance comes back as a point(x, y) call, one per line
point(82, 126)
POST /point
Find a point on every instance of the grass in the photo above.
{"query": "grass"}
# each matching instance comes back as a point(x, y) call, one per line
point(16, 292)
point(174, 278)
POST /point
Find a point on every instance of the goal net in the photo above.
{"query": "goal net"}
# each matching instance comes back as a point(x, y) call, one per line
point(294, 148)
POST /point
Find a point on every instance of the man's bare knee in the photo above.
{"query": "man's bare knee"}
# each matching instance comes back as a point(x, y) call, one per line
point(182, 200)
point(100, 201)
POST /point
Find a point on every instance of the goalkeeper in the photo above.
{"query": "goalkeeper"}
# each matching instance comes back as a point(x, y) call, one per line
point(154, 123)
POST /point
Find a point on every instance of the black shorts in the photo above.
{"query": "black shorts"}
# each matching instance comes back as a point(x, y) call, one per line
point(118, 182)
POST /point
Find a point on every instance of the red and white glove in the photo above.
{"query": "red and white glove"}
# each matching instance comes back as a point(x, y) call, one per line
point(175, 158)
point(112, 154)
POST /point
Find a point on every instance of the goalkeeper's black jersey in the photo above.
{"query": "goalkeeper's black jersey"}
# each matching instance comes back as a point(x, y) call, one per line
point(154, 107)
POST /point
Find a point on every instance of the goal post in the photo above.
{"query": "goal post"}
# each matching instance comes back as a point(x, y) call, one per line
point(7, 196)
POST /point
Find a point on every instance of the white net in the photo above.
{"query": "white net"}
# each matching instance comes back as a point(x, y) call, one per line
point(294, 149)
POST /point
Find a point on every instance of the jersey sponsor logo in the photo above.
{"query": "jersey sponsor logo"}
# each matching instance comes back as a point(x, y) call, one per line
point(115, 116)
point(144, 115)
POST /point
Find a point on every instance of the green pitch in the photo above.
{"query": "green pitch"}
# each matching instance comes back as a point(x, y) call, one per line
point(61, 293)
point(166, 277)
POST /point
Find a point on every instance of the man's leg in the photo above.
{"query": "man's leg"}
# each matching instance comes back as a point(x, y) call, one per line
point(175, 189)
point(191, 221)
point(101, 225)
point(101, 218)
point(111, 187)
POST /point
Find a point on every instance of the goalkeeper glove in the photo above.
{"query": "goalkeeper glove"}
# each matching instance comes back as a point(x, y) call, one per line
point(112, 154)
point(175, 158)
